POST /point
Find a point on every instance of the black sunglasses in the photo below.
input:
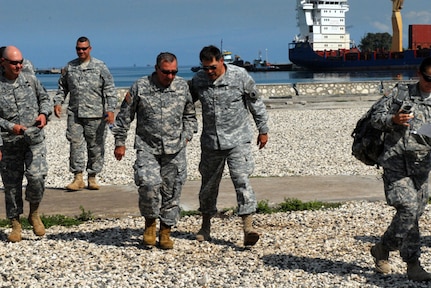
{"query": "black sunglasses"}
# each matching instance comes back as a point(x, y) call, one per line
point(82, 48)
point(14, 62)
point(207, 68)
point(167, 72)
point(426, 77)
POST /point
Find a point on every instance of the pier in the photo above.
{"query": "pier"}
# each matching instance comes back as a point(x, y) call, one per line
point(304, 94)
point(48, 71)
point(307, 95)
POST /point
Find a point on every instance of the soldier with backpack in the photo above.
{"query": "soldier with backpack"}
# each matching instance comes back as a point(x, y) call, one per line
point(406, 162)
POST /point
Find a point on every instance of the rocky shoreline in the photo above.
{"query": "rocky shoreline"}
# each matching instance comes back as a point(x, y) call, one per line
point(327, 248)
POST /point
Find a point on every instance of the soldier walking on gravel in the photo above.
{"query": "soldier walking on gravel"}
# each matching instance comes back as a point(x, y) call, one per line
point(166, 121)
point(228, 96)
point(92, 103)
point(406, 162)
point(24, 110)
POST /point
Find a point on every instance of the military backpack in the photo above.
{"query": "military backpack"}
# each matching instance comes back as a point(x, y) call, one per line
point(368, 141)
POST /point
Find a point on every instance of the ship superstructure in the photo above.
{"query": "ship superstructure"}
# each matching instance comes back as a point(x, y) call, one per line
point(323, 24)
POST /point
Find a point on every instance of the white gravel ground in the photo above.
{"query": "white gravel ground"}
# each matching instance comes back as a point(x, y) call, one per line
point(327, 248)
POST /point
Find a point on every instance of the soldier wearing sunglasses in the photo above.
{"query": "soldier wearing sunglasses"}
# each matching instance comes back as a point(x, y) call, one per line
point(228, 96)
point(92, 102)
point(166, 121)
point(406, 162)
point(24, 110)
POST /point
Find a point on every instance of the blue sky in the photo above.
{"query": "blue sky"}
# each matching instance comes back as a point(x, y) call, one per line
point(133, 32)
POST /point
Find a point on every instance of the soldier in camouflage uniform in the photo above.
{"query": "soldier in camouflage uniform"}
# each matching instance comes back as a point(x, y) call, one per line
point(24, 110)
point(166, 119)
point(228, 95)
point(406, 161)
point(92, 102)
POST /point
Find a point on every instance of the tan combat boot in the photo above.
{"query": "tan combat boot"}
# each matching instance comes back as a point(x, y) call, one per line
point(35, 221)
point(150, 232)
point(92, 183)
point(15, 235)
point(77, 184)
point(415, 272)
point(381, 258)
point(204, 232)
point(251, 236)
point(165, 241)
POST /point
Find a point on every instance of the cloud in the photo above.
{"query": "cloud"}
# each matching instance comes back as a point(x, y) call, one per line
point(380, 26)
point(424, 17)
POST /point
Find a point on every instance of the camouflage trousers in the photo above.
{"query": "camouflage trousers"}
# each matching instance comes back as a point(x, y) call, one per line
point(160, 179)
point(241, 165)
point(409, 196)
point(86, 134)
point(20, 159)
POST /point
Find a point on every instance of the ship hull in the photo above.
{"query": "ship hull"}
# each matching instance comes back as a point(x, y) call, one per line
point(302, 55)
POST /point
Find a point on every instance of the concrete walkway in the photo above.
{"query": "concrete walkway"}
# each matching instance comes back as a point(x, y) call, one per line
point(121, 201)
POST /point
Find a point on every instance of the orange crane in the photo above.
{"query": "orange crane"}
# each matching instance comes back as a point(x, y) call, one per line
point(397, 26)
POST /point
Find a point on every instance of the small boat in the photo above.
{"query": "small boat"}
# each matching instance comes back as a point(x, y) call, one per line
point(48, 71)
point(260, 65)
point(227, 57)
point(324, 43)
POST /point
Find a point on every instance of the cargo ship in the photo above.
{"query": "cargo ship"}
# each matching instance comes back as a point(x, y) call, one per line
point(324, 43)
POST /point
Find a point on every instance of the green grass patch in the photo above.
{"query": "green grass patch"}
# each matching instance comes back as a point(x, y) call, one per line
point(263, 207)
point(288, 205)
point(55, 220)
point(292, 204)
point(189, 213)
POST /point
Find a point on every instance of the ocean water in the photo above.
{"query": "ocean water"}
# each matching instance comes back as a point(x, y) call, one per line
point(125, 76)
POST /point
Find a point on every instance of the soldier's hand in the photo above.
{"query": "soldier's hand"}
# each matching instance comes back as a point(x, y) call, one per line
point(119, 152)
point(262, 139)
point(18, 129)
point(109, 117)
point(1, 155)
point(402, 118)
point(41, 121)
point(57, 110)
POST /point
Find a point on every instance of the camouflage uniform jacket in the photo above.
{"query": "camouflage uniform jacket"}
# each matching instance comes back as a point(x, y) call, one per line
point(404, 149)
point(166, 117)
point(92, 90)
point(21, 103)
point(226, 104)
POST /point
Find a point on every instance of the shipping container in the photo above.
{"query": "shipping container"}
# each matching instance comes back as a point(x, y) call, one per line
point(419, 36)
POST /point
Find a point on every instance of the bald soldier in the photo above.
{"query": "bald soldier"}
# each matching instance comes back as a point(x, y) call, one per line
point(24, 110)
